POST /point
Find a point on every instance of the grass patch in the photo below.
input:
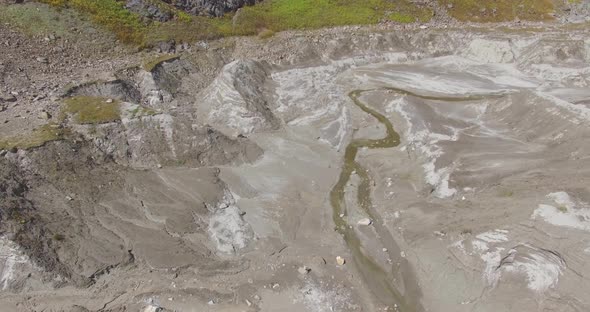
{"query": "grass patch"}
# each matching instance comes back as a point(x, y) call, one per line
point(112, 14)
point(499, 10)
point(265, 34)
point(264, 18)
point(278, 15)
point(188, 29)
point(152, 63)
point(38, 137)
point(34, 19)
point(92, 110)
point(402, 18)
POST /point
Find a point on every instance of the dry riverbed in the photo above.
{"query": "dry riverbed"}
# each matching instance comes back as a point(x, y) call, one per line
point(212, 191)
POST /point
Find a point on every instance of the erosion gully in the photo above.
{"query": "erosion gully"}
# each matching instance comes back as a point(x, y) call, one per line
point(396, 288)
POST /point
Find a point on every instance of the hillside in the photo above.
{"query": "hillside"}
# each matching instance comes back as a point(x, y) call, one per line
point(294, 155)
point(146, 22)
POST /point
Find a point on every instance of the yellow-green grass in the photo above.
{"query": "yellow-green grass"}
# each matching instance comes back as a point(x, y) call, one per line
point(112, 14)
point(270, 15)
point(34, 19)
point(499, 10)
point(38, 137)
point(92, 110)
point(278, 15)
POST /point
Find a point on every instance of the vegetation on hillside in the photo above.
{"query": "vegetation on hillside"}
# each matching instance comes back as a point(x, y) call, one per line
point(127, 26)
point(277, 15)
point(39, 136)
point(499, 10)
point(92, 110)
point(268, 17)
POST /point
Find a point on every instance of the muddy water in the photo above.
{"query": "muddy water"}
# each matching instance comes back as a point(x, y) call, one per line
point(396, 288)
point(380, 281)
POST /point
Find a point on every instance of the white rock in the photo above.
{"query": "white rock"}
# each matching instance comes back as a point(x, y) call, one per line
point(365, 221)
point(303, 270)
point(340, 260)
point(152, 308)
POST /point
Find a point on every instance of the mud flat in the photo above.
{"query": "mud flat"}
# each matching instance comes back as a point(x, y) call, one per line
point(455, 180)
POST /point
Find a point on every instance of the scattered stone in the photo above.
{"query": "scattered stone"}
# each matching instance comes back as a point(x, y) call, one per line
point(248, 302)
point(440, 234)
point(275, 286)
point(365, 221)
point(159, 166)
point(7, 98)
point(304, 270)
point(340, 260)
point(69, 198)
point(45, 115)
point(167, 46)
point(256, 297)
point(152, 308)
point(42, 60)
point(2, 153)
point(109, 100)
point(384, 249)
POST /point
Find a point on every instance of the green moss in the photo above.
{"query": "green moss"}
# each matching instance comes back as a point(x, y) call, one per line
point(402, 18)
point(152, 63)
point(277, 15)
point(38, 137)
point(92, 110)
point(499, 10)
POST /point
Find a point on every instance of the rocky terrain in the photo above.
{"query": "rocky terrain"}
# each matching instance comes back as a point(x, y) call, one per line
point(436, 166)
